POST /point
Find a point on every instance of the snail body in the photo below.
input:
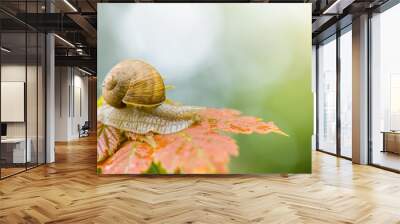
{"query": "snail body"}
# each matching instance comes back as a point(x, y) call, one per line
point(134, 93)
point(164, 119)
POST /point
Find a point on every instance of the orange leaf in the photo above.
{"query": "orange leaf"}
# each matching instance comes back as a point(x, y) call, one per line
point(107, 141)
point(131, 158)
point(230, 121)
point(195, 150)
point(200, 148)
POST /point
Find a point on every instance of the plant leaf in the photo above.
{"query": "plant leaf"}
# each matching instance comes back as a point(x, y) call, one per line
point(195, 150)
point(229, 120)
point(156, 168)
point(98, 170)
point(108, 139)
point(201, 148)
point(132, 158)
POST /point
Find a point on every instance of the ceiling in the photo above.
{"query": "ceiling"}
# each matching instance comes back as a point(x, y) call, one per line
point(75, 22)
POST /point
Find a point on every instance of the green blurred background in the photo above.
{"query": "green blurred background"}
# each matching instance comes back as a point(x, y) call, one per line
point(255, 58)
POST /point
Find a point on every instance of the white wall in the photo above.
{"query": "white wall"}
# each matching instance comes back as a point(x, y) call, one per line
point(33, 127)
point(61, 103)
point(80, 104)
point(71, 94)
point(12, 73)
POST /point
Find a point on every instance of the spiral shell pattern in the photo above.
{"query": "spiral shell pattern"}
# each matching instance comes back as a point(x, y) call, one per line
point(133, 82)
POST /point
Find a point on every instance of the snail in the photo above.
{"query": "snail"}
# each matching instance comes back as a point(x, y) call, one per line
point(135, 83)
point(134, 93)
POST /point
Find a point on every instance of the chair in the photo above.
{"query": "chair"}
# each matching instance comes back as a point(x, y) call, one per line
point(84, 130)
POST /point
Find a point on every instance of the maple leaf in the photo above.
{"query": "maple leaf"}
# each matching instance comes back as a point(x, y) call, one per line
point(229, 120)
point(108, 139)
point(201, 148)
point(131, 158)
point(195, 150)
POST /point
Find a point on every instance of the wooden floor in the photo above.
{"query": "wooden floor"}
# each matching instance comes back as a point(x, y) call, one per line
point(69, 191)
point(10, 171)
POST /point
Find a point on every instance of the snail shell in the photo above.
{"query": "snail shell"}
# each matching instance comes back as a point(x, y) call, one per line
point(164, 119)
point(135, 83)
point(134, 93)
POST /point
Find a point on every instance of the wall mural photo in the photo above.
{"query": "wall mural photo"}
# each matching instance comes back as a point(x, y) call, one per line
point(204, 88)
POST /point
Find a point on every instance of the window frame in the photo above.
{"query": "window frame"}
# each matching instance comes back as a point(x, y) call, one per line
point(334, 37)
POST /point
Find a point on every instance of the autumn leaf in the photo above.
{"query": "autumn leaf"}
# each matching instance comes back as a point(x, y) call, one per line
point(229, 120)
point(108, 139)
point(131, 158)
point(201, 148)
point(195, 150)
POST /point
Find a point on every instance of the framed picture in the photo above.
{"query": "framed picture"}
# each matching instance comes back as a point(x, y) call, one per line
point(204, 88)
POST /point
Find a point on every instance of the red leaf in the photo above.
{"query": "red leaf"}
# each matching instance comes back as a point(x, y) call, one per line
point(200, 148)
point(230, 121)
point(131, 158)
point(107, 141)
point(195, 150)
